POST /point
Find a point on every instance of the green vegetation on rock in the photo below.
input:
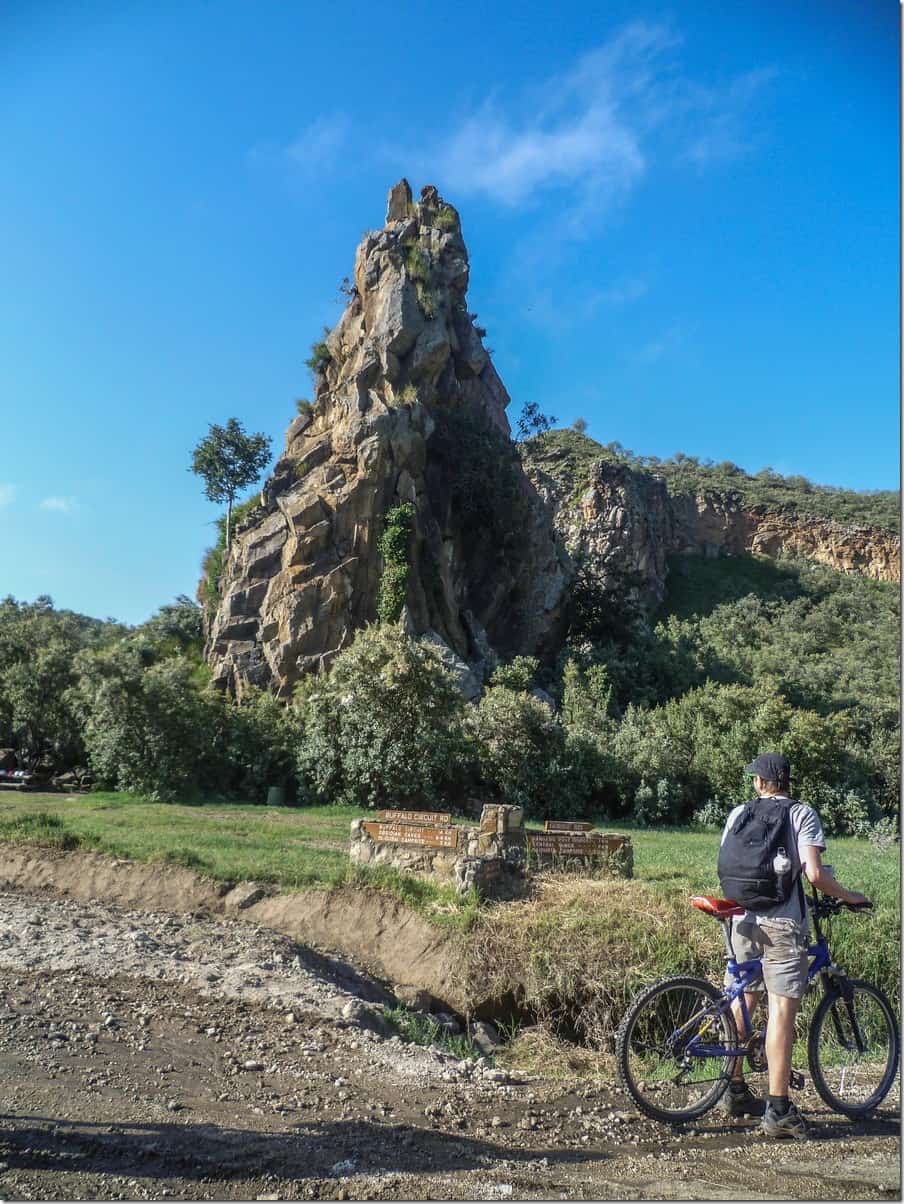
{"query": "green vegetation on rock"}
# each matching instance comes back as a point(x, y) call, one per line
point(395, 548)
point(569, 456)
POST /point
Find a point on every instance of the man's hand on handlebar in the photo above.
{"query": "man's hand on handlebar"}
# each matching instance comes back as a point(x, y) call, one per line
point(858, 902)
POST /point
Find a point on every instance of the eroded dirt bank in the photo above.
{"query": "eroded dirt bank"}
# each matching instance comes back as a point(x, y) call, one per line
point(148, 1055)
point(376, 931)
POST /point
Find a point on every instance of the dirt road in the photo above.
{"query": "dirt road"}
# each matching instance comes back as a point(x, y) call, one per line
point(154, 1056)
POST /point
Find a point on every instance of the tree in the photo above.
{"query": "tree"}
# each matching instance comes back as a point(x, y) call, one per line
point(385, 727)
point(229, 460)
point(580, 425)
point(533, 421)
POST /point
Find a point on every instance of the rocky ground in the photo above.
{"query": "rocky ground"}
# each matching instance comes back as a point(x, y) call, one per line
point(152, 1056)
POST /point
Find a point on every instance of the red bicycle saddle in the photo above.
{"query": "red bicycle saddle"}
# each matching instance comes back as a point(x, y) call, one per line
point(720, 908)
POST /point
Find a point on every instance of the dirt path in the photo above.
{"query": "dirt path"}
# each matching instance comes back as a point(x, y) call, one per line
point(153, 1056)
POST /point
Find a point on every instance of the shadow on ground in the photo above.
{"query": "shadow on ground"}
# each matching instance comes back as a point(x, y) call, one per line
point(204, 1151)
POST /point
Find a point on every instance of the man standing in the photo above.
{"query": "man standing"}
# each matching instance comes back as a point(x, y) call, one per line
point(781, 829)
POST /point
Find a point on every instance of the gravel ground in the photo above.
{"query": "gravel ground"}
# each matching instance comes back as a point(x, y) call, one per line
point(152, 1056)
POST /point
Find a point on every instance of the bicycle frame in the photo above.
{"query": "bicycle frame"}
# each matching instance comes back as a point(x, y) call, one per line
point(746, 975)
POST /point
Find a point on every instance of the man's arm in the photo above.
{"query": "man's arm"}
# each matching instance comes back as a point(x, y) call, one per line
point(811, 859)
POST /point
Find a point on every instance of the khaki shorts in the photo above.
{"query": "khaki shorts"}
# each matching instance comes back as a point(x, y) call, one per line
point(782, 944)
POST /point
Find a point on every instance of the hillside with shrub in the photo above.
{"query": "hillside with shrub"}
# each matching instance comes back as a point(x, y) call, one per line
point(651, 723)
point(570, 454)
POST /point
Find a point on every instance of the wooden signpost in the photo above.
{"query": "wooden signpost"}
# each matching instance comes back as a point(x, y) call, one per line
point(437, 819)
point(567, 825)
point(438, 836)
point(563, 844)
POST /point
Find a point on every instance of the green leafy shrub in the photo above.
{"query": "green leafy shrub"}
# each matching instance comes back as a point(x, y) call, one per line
point(147, 730)
point(516, 674)
point(659, 805)
point(417, 266)
point(526, 757)
point(712, 815)
point(395, 548)
point(320, 355)
point(841, 811)
point(304, 407)
point(446, 219)
point(252, 745)
point(385, 727)
point(214, 561)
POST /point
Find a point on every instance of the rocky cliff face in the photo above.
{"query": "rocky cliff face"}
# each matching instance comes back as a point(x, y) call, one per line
point(717, 524)
point(408, 407)
point(624, 525)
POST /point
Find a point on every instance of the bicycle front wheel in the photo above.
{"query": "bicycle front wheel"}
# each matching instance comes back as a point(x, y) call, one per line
point(853, 1048)
point(664, 1080)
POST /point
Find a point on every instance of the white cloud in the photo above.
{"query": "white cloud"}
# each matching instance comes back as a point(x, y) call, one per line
point(64, 505)
point(319, 143)
point(671, 339)
point(7, 494)
point(623, 292)
point(593, 131)
point(315, 148)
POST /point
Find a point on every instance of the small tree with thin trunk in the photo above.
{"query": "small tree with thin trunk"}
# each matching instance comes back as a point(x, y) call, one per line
point(229, 460)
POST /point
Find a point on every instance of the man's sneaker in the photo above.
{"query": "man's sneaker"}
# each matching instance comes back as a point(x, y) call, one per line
point(792, 1124)
point(742, 1103)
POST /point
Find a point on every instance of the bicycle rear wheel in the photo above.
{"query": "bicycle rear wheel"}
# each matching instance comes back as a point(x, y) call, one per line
point(664, 1081)
point(853, 1048)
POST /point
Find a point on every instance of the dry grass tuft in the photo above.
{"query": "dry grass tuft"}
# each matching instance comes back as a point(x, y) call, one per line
point(576, 953)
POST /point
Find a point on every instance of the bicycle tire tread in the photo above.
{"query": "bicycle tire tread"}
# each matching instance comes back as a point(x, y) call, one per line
point(820, 1017)
point(667, 1116)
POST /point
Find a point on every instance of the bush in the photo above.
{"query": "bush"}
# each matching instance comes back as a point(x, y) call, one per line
point(146, 730)
point(385, 727)
point(417, 265)
point(841, 811)
point(253, 746)
point(446, 219)
point(712, 815)
point(527, 757)
point(883, 835)
point(320, 354)
point(655, 807)
point(517, 674)
point(395, 548)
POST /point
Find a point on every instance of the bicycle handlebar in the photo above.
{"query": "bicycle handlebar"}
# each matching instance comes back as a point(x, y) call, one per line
point(827, 905)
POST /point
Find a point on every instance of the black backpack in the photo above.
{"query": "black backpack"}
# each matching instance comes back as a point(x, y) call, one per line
point(745, 868)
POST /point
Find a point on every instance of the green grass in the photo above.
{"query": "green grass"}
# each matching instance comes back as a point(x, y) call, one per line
point(579, 952)
point(295, 848)
point(421, 1029)
point(599, 940)
point(679, 862)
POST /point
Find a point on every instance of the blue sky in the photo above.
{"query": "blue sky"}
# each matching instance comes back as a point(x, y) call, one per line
point(682, 219)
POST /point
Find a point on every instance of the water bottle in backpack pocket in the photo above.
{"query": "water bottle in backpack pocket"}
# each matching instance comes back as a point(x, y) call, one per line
point(754, 866)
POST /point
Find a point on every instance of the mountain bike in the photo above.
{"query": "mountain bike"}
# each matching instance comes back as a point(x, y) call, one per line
point(678, 1042)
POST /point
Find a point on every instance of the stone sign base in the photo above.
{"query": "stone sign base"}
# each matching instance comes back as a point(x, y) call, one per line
point(495, 859)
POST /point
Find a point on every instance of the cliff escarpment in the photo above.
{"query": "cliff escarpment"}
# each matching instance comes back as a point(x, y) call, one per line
point(408, 408)
point(622, 523)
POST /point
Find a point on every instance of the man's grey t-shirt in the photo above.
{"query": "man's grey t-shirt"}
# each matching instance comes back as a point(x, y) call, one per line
point(806, 826)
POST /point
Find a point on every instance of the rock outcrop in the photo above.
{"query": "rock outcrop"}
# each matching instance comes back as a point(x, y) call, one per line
point(623, 524)
point(718, 524)
point(408, 407)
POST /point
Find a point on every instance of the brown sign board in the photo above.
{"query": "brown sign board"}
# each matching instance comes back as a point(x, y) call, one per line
point(438, 837)
point(566, 844)
point(438, 819)
point(567, 825)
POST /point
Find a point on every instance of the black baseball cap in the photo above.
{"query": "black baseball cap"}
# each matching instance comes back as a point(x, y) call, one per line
point(771, 766)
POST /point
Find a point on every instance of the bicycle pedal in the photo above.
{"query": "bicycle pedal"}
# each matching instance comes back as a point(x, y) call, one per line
point(797, 1080)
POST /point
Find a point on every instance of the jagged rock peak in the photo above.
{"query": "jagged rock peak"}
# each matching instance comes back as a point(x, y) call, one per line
point(407, 407)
